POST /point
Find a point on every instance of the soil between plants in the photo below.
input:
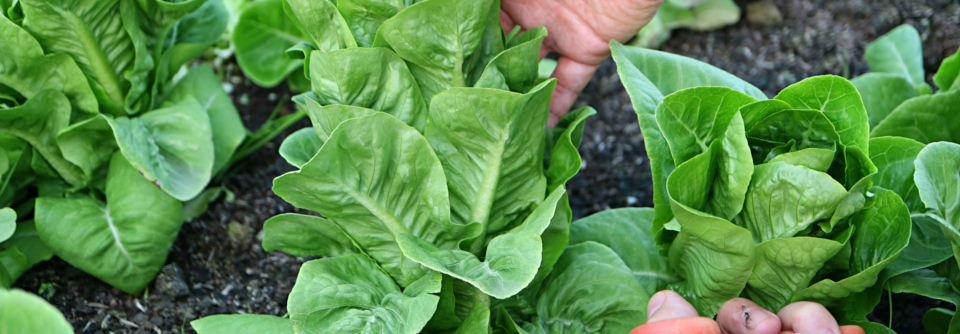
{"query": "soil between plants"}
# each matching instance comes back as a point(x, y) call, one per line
point(216, 265)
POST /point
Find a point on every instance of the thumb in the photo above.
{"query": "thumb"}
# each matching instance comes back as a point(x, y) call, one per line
point(669, 313)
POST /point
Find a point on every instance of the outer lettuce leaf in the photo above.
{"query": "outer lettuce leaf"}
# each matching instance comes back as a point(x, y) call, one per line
point(947, 74)
point(27, 71)
point(627, 232)
point(648, 75)
point(882, 232)
point(370, 78)
point(37, 122)
point(376, 178)
point(899, 52)
point(261, 38)
point(894, 158)
point(299, 147)
point(939, 186)
point(242, 324)
point(225, 124)
point(438, 50)
point(28, 243)
point(786, 266)
point(882, 93)
point(927, 119)
point(350, 294)
point(326, 119)
point(692, 118)
point(170, 146)
point(186, 40)
point(302, 235)
point(590, 289)
point(124, 242)
point(22, 312)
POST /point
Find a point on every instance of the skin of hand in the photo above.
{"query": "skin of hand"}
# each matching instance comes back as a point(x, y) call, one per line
point(579, 30)
point(669, 313)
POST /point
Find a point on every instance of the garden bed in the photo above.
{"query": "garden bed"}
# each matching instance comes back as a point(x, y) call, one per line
point(217, 264)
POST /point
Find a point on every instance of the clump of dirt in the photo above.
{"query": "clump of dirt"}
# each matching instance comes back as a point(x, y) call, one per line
point(217, 266)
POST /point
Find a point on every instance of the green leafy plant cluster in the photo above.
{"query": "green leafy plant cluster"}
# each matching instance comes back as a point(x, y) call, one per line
point(440, 188)
point(104, 149)
point(795, 198)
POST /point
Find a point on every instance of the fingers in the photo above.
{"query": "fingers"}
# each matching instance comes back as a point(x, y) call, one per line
point(807, 317)
point(741, 316)
point(571, 76)
point(666, 304)
point(669, 313)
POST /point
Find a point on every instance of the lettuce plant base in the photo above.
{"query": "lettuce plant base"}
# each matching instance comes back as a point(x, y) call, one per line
point(226, 277)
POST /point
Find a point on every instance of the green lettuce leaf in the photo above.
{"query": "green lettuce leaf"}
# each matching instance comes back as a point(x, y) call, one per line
point(302, 235)
point(882, 93)
point(351, 294)
point(927, 119)
point(899, 52)
point(125, 241)
point(22, 312)
point(261, 38)
point(784, 267)
point(299, 147)
point(242, 324)
point(947, 74)
point(838, 100)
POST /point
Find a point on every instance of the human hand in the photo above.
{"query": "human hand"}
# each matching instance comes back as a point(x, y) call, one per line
point(669, 313)
point(579, 30)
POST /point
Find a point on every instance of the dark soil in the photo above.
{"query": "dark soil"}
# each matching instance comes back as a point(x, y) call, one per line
point(219, 267)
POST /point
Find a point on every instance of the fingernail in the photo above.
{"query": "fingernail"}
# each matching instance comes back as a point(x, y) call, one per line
point(752, 317)
point(655, 302)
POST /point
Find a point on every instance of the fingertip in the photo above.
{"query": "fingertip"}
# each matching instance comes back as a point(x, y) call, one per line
point(742, 316)
point(808, 317)
point(666, 304)
point(571, 77)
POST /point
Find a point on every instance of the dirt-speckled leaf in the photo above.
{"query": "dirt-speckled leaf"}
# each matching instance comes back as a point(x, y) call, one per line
point(370, 78)
point(785, 199)
point(927, 119)
point(511, 259)
point(882, 232)
point(299, 147)
point(242, 324)
point(23, 312)
point(786, 266)
point(627, 232)
point(124, 242)
point(837, 99)
point(225, 124)
point(351, 295)
point(377, 178)
point(883, 92)
point(947, 77)
point(590, 288)
point(490, 143)
point(28, 71)
point(437, 49)
point(899, 52)
point(303, 235)
point(261, 38)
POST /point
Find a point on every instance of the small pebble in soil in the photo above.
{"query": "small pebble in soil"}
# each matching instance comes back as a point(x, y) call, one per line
point(764, 13)
point(239, 234)
point(170, 282)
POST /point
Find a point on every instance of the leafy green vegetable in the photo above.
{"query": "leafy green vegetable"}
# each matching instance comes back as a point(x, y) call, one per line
point(134, 229)
point(22, 312)
point(262, 36)
point(242, 323)
point(899, 52)
point(926, 119)
point(699, 15)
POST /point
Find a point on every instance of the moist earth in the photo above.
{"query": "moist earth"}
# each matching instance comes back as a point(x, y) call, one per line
point(217, 266)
